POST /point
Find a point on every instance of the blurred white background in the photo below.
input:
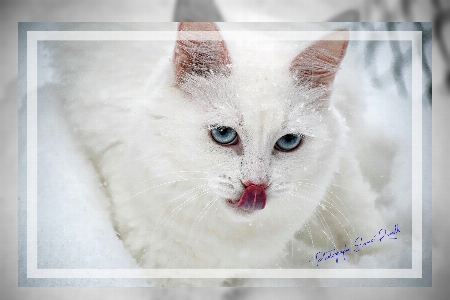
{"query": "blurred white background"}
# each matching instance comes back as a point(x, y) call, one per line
point(12, 12)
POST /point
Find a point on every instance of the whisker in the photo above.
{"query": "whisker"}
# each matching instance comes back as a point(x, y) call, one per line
point(331, 203)
point(328, 190)
point(308, 228)
point(158, 185)
point(336, 218)
point(301, 196)
point(175, 172)
point(202, 214)
point(178, 208)
point(172, 200)
point(215, 214)
point(323, 220)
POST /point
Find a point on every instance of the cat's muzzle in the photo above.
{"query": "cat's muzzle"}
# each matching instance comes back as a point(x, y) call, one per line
point(253, 198)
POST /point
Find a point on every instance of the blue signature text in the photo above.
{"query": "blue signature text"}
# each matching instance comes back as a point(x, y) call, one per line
point(358, 245)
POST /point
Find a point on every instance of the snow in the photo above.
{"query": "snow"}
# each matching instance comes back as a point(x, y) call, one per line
point(74, 229)
point(92, 243)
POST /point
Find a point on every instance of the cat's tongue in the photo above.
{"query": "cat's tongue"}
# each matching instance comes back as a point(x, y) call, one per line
point(253, 198)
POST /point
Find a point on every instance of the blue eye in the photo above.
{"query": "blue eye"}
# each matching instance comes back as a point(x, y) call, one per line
point(288, 142)
point(224, 135)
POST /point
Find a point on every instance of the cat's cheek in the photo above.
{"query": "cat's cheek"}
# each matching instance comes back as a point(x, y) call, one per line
point(237, 148)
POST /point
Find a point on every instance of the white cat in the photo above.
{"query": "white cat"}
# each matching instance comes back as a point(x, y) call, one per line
point(232, 154)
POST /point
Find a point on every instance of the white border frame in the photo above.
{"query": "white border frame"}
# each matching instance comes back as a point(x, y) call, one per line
point(32, 267)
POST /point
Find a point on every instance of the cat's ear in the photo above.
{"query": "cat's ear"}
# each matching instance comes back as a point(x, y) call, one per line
point(198, 55)
point(317, 65)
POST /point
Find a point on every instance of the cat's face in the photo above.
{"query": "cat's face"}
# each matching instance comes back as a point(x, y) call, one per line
point(264, 134)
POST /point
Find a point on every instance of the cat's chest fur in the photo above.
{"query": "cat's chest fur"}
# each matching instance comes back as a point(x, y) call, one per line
point(177, 193)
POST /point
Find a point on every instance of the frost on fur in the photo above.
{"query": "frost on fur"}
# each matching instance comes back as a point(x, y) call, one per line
point(175, 191)
point(315, 67)
point(200, 57)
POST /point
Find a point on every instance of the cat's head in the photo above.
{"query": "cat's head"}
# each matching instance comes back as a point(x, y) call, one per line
point(266, 123)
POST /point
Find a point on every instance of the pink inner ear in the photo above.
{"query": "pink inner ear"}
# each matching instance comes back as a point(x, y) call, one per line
point(200, 57)
point(319, 63)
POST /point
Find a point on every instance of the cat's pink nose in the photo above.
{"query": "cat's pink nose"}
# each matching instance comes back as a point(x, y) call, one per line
point(249, 183)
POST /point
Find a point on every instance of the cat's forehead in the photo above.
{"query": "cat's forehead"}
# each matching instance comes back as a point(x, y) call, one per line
point(260, 104)
point(259, 94)
point(261, 76)
point(263, 100)
point(264, 51)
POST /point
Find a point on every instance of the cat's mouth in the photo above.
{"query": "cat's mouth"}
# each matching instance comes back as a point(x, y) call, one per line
point(253, 198)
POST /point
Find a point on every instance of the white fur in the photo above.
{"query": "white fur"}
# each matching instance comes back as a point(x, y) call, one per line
point(168, 181)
